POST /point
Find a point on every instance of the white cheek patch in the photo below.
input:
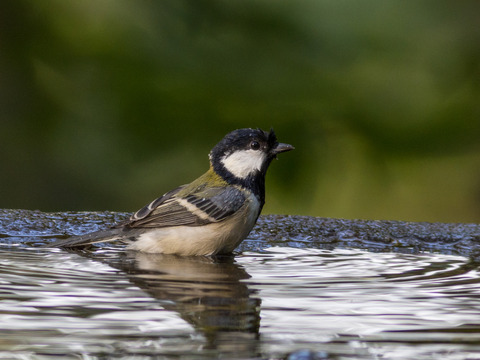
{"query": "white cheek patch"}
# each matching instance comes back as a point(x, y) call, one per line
point(243, 163)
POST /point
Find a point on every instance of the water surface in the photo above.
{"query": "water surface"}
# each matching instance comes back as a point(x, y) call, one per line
point(347, 303)
point(273, 299)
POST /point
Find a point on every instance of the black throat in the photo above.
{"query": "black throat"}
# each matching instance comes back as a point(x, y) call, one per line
point(254, 182)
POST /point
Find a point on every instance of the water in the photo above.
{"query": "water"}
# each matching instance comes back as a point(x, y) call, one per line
point(267, 303)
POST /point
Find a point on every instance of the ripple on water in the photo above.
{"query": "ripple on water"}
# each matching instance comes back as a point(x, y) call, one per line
point(53, 302)
point(313, 295)
point(349, 303)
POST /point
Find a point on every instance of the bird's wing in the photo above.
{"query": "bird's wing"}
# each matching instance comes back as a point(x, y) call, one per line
point(200, 207)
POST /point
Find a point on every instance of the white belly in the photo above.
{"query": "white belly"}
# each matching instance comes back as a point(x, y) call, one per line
point(211, 239)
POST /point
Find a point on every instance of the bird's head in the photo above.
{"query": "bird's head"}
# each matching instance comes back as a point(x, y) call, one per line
point(246, 153)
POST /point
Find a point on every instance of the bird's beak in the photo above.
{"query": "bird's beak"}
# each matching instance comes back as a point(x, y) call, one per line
point(281, 147)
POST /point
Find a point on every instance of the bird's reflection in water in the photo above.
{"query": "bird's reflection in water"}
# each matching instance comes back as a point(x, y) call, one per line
point(206, 292)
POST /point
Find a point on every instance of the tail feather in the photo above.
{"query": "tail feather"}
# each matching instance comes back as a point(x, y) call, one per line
point(88, 239)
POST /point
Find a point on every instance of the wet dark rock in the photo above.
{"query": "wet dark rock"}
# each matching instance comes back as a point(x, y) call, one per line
point(26, 227)
point(372, 235)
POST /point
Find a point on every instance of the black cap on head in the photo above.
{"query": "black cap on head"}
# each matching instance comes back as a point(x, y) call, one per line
point(244, 139)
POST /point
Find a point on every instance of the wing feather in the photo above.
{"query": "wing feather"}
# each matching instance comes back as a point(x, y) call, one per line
point(199, 208)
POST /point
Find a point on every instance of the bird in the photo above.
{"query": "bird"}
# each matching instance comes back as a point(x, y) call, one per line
point(211, 215)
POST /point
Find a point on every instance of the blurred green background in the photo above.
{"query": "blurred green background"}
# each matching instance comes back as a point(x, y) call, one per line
point(107, 104)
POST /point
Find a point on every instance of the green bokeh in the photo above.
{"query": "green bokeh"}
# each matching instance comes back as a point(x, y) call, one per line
point(107, 104)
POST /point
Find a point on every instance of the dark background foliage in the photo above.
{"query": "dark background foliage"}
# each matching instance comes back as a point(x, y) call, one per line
point(107, 104)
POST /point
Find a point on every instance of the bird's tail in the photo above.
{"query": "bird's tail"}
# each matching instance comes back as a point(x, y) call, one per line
point(88, 239)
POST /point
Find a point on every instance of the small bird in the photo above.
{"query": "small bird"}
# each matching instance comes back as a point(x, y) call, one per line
point(209, 216)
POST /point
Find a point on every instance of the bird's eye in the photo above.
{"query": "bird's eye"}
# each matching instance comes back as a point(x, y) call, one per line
point(254, 145)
